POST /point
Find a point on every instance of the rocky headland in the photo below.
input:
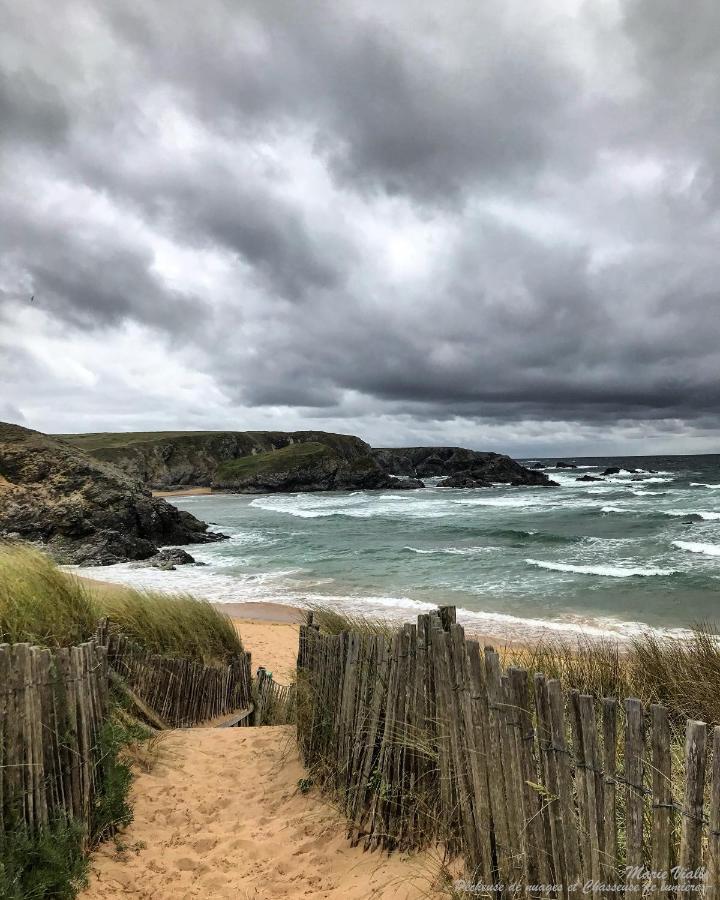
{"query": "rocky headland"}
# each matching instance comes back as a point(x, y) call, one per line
point(83, 510)
point(270, 461)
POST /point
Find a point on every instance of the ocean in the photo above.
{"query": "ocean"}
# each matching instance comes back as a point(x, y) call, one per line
point(640, 549)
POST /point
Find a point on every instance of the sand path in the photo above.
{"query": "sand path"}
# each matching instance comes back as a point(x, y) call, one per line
point(220, 816)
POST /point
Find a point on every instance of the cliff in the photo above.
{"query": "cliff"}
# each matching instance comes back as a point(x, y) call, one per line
point(168, 459)
point(309, 466)
point(82, 509)
point(266, 461)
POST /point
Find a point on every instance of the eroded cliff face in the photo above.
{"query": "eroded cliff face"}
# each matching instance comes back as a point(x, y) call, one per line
point(82, 509)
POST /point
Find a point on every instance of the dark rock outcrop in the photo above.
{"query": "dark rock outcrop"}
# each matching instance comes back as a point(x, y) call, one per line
point(464, 480)
point(589, 478)
point(83, 510)
point(309, 466)
point(428, 462)
point(612, 470)
point(565, 465)
point(170, 557)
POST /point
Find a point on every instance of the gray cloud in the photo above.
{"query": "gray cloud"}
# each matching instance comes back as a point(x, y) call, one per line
point(315, 213)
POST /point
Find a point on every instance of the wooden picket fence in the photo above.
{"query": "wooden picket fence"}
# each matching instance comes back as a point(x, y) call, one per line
point(52, 706)
point(542, 791)
point(181, 692)
point(274, 703)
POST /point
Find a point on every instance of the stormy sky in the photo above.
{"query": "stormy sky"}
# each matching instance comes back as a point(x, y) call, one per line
point(481, 222)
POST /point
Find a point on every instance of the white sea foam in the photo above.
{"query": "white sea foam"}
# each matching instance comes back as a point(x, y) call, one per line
point(279, 588)
point(453, 551)
point(360, 506)
point(607, 571)
point(612, 509)
point(516, 501)
point(713, 487)
point(693, 547)
point(600, 628)
point(704, 514)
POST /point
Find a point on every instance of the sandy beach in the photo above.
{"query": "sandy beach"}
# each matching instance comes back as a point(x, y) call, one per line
point(221, 816)
point(184, 492)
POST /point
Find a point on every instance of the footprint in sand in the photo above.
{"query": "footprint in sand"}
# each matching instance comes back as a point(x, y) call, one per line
point(204, 845)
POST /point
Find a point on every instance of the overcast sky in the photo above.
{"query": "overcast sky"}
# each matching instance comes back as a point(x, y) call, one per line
point(481, 222)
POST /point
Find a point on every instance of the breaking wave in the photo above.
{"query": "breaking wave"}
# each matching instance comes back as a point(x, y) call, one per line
point(694, 547)
point(606, 571)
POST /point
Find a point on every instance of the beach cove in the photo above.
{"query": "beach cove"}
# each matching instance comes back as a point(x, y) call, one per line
point(612, 557)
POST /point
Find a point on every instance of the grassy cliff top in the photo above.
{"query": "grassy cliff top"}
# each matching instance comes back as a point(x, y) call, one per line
point(99, 440)
point(121, 440)
point(294, 456)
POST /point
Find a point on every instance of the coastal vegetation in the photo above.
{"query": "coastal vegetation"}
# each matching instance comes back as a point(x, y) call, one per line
point(175, 625)
point(681, 673)
point(306, 466)
point(43, 605)
point(168, 459)
point(293, 456)
point(46, 607)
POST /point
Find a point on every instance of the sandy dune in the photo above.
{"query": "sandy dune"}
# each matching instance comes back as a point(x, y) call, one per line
point(220, 816)
point(273, 645)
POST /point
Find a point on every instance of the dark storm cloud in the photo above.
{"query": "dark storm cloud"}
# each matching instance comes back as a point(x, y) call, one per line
point(495, 211)
point(390, 111)
point(31, 109)
point(91, 277)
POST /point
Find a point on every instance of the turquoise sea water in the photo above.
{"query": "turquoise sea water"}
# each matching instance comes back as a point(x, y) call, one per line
point(588, 556)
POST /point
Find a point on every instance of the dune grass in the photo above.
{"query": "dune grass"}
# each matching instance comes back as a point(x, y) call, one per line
point(40, 604)
point(46, 606)
point(681, 673)
point(331, 621)
point(173, 625)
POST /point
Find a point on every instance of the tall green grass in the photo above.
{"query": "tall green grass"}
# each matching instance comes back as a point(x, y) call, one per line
point(681, 673)
point(46, 606)
point(173, 625)
point(40, 604)
point(43, 605)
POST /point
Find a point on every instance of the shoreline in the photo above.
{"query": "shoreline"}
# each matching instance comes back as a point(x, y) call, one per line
point(270, 631)
point(184, 492)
